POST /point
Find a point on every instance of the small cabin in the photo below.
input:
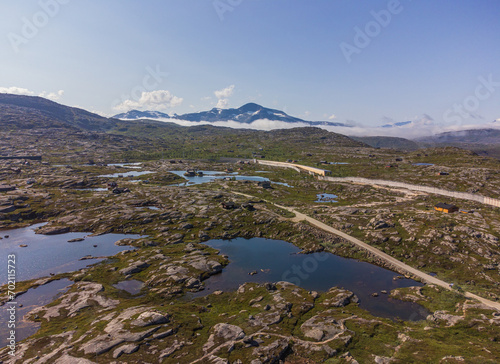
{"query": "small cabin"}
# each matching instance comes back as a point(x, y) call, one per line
point(446, 208)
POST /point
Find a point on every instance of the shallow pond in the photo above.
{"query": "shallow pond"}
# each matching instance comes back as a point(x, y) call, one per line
point(47, 254)
point(423, 164)
point(131, 286)
point(33, 298)
point(209, 176)
point(276, 260)
point(326, 197)
point(126, 174)
point(98, 189)
point(126, 165)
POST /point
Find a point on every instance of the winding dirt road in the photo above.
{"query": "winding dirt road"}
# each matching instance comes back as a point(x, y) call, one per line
point(378, 253)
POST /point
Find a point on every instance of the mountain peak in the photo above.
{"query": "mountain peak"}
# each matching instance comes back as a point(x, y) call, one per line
point(245, 114)
point(251, 106)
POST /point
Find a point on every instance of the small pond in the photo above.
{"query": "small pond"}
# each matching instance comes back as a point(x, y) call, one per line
point(47, 254)
point(33, 298)
point(154, 208)
point(126, 174)
point(282, 184)
point(276, 260)
point(99, 189)
point(423, 164)
point(131, 286)
point(126, 165)
point(326, 197)
point(209, 176)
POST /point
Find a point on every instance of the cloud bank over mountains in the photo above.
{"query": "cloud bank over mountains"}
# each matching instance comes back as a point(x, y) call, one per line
point(418, 127)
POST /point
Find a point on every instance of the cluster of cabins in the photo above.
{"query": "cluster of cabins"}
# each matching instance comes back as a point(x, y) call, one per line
point(113, 187)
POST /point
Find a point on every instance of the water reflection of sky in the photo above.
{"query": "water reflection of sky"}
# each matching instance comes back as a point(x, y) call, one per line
point(131, 286)
point(326, 197)
point(126, 174)
point(47, 254)
point(276, 260)
point(209, 176)
point(33, 298)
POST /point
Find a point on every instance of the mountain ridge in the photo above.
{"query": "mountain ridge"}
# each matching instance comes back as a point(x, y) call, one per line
point(25, 112)
point(245, 114)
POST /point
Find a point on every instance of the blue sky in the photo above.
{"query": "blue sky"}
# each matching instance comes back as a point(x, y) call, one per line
point(416, 60)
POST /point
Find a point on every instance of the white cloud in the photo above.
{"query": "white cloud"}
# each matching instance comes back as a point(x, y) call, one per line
point(225, 92)
point(159, 100)
point(261, 124)
point(387, 120)
point(222, 103)
point(24, 91)
point(52, 95)
point(16, 91)
point(416, 129)
point(332, 117)
point(223, 96)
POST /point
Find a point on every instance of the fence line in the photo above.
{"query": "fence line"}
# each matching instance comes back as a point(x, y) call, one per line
point(438, 191)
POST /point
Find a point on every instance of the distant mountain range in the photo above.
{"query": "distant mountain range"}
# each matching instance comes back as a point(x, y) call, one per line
point(388, 142)
point(19, 112)
point(401, 123)
point(246, 114)
point(482, 136)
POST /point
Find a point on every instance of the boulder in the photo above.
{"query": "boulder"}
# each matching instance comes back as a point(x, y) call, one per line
point(322, 327)
point(52, 230)
point(125, 349)
point(271, 353)
point(222, 333)
point(149, 318)
point(135, 267)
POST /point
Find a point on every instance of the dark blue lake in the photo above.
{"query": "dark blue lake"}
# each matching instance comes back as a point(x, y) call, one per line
point(276, 260)
point(47, 254)
point(33, 298)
